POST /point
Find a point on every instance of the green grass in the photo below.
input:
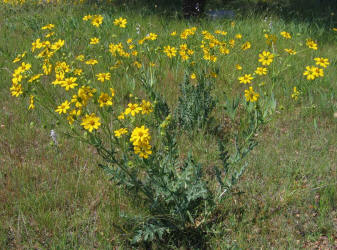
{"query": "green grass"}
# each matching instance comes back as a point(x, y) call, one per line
point(57, 197)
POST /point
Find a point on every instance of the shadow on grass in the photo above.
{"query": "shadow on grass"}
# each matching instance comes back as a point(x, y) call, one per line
point(319, 12)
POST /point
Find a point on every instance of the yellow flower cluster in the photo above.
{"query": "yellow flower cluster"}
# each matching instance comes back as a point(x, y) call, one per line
point(312, 72)
point(290, 51)
point(185, 52)
point(140, 139)
point(295, 94)
point(144, 108)
point(118, 133)
point(270, 39)
point(188, 32)
point(79, 101)
point(150, 37)
point(251, 95)
point(96, 20)
point(118, 49)
point(19, 73)
point(311, 44)
point(286, 35)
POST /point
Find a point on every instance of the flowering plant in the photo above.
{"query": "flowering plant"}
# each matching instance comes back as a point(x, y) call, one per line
point(155, 147)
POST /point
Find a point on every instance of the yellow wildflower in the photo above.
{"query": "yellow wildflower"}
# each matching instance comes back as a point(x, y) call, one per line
point(238, 67)
point(91, 62)
point(261, 71)
point(247, 78)
point(170, 51)
point(94, 40)
point(146, 107)
point(97, 20)
point(121, 22)
point(25, 66)
point(16, 90)
point(48, 26)
point(19, 57)
point(290, 51)
point(91, 122)
point(266, 58)
point(118, 133)
point(132, 109)
point(34, 77)
point(151, 36)
point(78, 72)
point(31, 102)
point(311, 44)
point(104, 100)
point(313, 72)
point(69, 83)
point(143, 150)
point(63, 107)
point(49, 34)
point(324, 62)
point(140, 135)
point(47, 67)
point(57, 45)
point(251, 95)
point(285, 35)
point(59, 78)
point(121, 116)
point(295, 94)
point(103, 76)
point(80, 58)
point(246, 46)
point(87, 17)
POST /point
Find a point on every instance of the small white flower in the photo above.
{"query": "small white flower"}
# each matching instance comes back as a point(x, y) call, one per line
point(138, 28)
point(53, 136)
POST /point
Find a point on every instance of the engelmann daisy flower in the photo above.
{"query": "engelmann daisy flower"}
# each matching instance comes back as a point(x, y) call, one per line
point(285, 35)
point(290, 51)
point(266, 58)
point(122, 131)
point(132, 109)
point(69, 83)
point(121, 22)
point(247, 78)
point(311, 44)
point(295, 94)
point(91, 122)
point(104, 100)
point(103, 76)
point(94, 40)
point(251, 95)
point(170, 51)
point(320, 61)
point(62, 109)
point(261, 71)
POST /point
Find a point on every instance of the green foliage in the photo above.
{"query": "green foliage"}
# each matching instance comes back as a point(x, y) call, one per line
point(179, 194)
point(195, 103)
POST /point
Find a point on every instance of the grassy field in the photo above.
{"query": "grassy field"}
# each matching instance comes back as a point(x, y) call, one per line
point(56, 197)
